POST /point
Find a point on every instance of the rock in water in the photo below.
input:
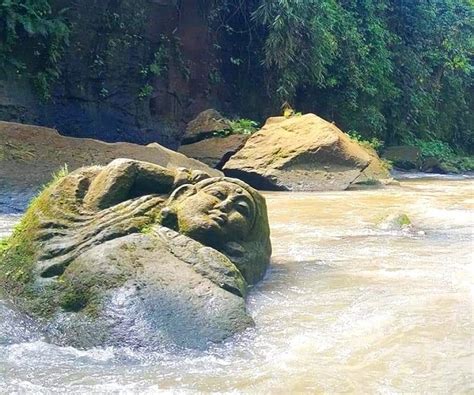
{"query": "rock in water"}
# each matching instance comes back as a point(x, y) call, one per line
point(136, 254)
point(300, 153)
point(396, 221)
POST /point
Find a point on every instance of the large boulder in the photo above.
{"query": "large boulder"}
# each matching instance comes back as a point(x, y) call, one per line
point(136, 254)
point(300, 153)
point(204, 125)
point(403, 157)
point(215, 151)
point(30, 154)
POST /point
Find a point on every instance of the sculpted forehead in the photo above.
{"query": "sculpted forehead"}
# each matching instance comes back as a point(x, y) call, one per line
point(235, 191)
point(228, 187)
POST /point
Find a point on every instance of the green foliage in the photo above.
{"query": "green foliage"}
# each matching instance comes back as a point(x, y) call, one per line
point(239, 126)
point(452, 161)
point(300, 43)
point(214, 77)
point(465, 163)
point(392, 69)
point(243, 126)
point(159, 65)
point(145, 91)
point(373, 142)
point(168, 51)
point(61, 173)
point(434, 44)
point(3, 245)
point(435, 148)
point(32, 25)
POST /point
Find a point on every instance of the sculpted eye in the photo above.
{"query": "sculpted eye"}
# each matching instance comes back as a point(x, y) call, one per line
point(243, 208)
point(218, 194)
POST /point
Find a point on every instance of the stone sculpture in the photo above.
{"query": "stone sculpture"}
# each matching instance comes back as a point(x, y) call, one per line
point(133, 253)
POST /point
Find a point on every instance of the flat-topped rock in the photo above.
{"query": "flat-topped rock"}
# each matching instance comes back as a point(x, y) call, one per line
point(30, 154)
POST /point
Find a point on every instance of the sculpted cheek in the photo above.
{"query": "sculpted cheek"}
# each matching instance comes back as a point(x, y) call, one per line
point(238, 223)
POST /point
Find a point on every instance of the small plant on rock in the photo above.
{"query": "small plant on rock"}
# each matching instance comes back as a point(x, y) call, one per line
point(239, 126)
point(243, 126)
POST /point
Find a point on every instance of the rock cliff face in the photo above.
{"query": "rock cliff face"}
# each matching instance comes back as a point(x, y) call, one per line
point(134, 71)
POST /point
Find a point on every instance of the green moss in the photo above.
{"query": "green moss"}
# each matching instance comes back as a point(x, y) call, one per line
point(386, 164)
point(3, 245)
point(403, 220)
point(18, 252)
point(370, 181)
point(80, 290)
point(147, 228)
point(74, 299)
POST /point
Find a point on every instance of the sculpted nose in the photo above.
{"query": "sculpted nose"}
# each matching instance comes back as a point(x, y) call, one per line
point(225, 205)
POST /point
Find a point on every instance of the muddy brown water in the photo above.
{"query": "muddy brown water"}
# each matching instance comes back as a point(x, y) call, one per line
point(350, 304)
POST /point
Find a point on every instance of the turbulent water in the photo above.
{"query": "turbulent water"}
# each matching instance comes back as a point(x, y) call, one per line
point(352, 303)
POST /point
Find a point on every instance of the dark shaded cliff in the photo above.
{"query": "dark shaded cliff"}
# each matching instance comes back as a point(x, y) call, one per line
point(399, 72)
point(133, 71)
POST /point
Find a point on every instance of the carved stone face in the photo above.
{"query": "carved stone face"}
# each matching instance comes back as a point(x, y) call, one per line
point(173, 243)
point(217, 213)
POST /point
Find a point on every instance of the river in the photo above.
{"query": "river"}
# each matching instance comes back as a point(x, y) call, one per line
point(350, 304)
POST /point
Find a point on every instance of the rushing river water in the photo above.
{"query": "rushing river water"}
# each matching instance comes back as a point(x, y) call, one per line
point(350, 304)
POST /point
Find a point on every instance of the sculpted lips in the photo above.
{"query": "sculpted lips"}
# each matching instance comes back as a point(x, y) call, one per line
point(218, 216)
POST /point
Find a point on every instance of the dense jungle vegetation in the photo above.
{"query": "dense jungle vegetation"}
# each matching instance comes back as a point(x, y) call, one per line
point(396, 70)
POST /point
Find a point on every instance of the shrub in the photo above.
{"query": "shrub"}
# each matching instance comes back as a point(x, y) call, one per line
point(239, 126)
point(435, 148)
point(373, 143)
point(453, 161)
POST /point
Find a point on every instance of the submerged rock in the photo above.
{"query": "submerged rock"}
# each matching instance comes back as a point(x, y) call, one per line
point(136, 254)
point(396, 221)
point(300, 153)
